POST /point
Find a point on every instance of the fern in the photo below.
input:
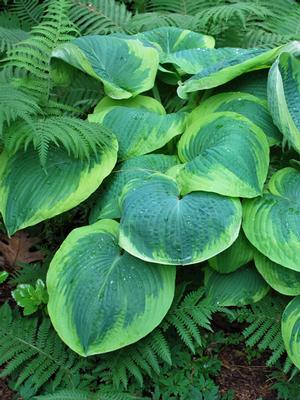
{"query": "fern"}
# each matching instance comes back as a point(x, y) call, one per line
point(29, 12)
point(137, 360)
point(9, 37)
point(99, 16)
point(84, 395)
point(14, 105)
point(187, 315)
point(264, 330)
point(32, 56)
point(82, 94)
point(29, 273)
point(81, 139)
point(33, 354)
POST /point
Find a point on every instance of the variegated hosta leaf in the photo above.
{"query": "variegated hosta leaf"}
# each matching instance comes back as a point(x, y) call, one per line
point(272, 222)
point(254, 83)
point(284, 280)
point(290, 329)
point(237, 255)
point(30, 193)
point(238, 288)
point(222, 65)
point(126, 66)
point(157, 225)
point(107, 202)
point(101, 299)
point(245, 104)
point(224, 153)
point(139, 130)
point(171, 40)
point(140, 101)
point(284, 97)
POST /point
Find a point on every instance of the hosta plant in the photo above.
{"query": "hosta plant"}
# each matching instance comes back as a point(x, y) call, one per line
point(181, 150)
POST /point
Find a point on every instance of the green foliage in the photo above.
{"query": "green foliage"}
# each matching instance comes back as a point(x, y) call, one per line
point(28, 62)
point(14, 105)
point(3, 276)
point(85, 395)
point(50, 81)
point(189, 314)
point(99, 17)
point(33, 354)
point(264, 330)
point(31, 297)
point(81, 139)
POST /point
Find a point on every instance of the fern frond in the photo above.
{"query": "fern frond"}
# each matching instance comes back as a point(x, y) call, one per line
point(9, 37)
point(99, 16)
point(234, 12)
point(141, 358)
point(264, 328)
point(81, 139)
point(84, 395)
point(152, 20)
point(34, 353)
point(28, 11)
point(14, 105)
point(193, 312)
point(32, 56)
point(82, 94)
point(185, 7)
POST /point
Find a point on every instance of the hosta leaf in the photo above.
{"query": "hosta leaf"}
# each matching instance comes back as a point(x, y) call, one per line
point(221, 67)
point(169, 40)
point(284, 280)
point(272, 222)
point(30, 193)
point(223, 153)
point(290, 329)
point(245, 104)
point(126, 67)
point(237, 255)
point(238, 288)
point(284, 97)
point(139, 130)
point(107, 203)
point(143, 102)
point(157, 225)
point(254, 83)
point(193, 61)
point(100, 298)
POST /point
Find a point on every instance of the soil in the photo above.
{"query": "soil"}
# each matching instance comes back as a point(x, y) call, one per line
point(249, 382)
point(5, 392)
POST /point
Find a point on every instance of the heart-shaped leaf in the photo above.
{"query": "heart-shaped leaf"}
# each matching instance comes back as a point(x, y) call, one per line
point(238, 288)
point(126, 66)
point(139, 130)
point(272, 222)
point(101, 299)
point(223, 153)
point(284, 97)
point(290, 328)
point(107, 200)
point(237, 255)
point(157, 225)
point(255, 109)
point(30, 193)
point(284, 280)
